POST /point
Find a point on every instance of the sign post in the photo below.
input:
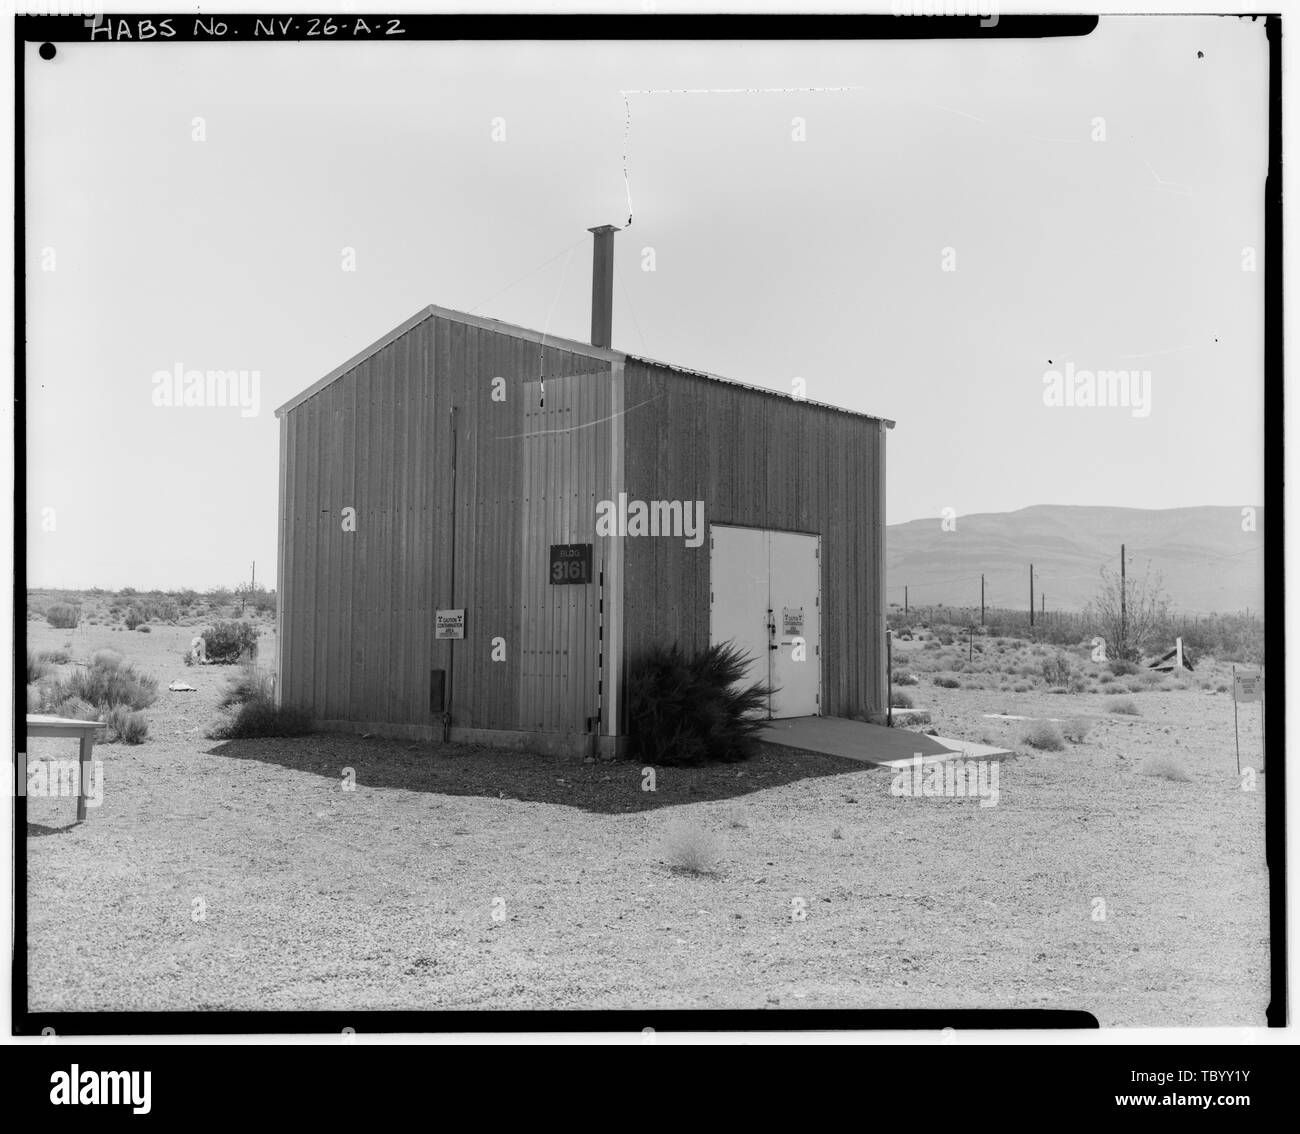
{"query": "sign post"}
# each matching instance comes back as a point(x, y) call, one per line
point(889, 677)
point(1248, 687)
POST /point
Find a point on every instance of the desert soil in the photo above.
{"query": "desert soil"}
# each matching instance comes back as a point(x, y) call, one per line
point(241, 874)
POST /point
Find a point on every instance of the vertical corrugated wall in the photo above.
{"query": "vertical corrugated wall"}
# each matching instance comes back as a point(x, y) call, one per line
point(566, 474)
point(765, 462)
point(357, 607)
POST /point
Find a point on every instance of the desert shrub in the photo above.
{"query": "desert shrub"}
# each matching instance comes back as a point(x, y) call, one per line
point(61, 705)
point(1122, 668)
point(37, 666)
point(1106, 678)
point(691, 848)
point(228, 642)
point(945, 682)
point(1021, 687)
point(63, 615)
point(903, 677)
point(57, 657)
point(126, 726)
point(1058, 669)
point(688, 709)
point(109, 682)
point(143, 629)
point(165, 610)
point(248, 683)
point(1165, 768)
point(1076, 729)
point(1125, 706)
point(1043, 735)
point(134, 617)
point(900, 700)
point(261, 716)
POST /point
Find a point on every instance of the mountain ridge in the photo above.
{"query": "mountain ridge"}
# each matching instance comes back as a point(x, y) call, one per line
point(1208, 561)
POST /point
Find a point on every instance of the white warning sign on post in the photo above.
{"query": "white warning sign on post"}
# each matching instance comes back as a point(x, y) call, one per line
point(449, 624)
point(1248, 687)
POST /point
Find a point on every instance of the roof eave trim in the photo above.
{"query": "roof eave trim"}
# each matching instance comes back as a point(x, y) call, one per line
point(759, 389)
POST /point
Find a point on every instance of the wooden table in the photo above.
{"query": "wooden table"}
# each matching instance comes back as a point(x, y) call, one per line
point(40, 725)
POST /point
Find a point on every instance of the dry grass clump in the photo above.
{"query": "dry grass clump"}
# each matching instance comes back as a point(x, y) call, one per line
point(690, 848)
point(1043, 735)
point(1076, 729)
point(1125, 706)
point(1165, 768)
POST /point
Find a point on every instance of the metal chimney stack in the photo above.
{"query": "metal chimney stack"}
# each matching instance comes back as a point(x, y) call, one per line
point(602, 285)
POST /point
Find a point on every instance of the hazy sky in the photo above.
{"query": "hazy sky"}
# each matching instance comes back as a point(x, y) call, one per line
point(774, 258)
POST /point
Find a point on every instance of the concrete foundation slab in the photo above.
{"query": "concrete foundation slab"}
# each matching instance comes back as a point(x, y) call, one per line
point(872, 744)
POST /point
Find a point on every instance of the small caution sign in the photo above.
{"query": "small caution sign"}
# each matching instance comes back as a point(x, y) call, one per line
point(1248, 687)
point(449, 624)
point(792, 621)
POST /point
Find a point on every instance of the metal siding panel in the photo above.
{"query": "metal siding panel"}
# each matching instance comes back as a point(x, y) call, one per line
point(287, 597)
point(362, 621)
point(407, 472)
point(380, 494)
point(760, 462)
point(347, 450)
point(311, 588)
point(427, 455)
point(357, 607)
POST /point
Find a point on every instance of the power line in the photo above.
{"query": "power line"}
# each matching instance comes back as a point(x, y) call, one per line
point(530, 272)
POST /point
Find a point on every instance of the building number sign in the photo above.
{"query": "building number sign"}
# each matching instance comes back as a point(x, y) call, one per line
point(570, 563)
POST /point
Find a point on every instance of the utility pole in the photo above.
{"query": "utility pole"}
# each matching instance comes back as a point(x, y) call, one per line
point(1123, 605)
point(981, 599)
point(1031, 596)
point(904, 600)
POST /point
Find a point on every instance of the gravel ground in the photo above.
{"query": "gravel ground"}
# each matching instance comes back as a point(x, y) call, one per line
point(458, 877)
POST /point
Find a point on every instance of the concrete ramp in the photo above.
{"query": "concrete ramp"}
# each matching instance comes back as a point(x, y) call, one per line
point(872, 744)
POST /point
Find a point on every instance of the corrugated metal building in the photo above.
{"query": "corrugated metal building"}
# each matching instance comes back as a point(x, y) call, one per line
point(563, 506)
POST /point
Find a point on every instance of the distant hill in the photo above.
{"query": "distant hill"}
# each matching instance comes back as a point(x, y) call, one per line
point(1209, 564)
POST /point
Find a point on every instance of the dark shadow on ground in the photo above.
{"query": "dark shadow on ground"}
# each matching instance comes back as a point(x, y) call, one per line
point(605, 788)
point(36, 830)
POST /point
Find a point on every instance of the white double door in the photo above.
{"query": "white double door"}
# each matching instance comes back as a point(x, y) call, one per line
point(765, 596)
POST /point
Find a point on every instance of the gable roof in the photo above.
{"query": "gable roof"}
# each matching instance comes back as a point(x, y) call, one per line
point(543, 339)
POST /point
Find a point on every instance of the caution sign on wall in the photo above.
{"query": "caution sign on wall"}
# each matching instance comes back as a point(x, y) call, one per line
point(449, 624)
